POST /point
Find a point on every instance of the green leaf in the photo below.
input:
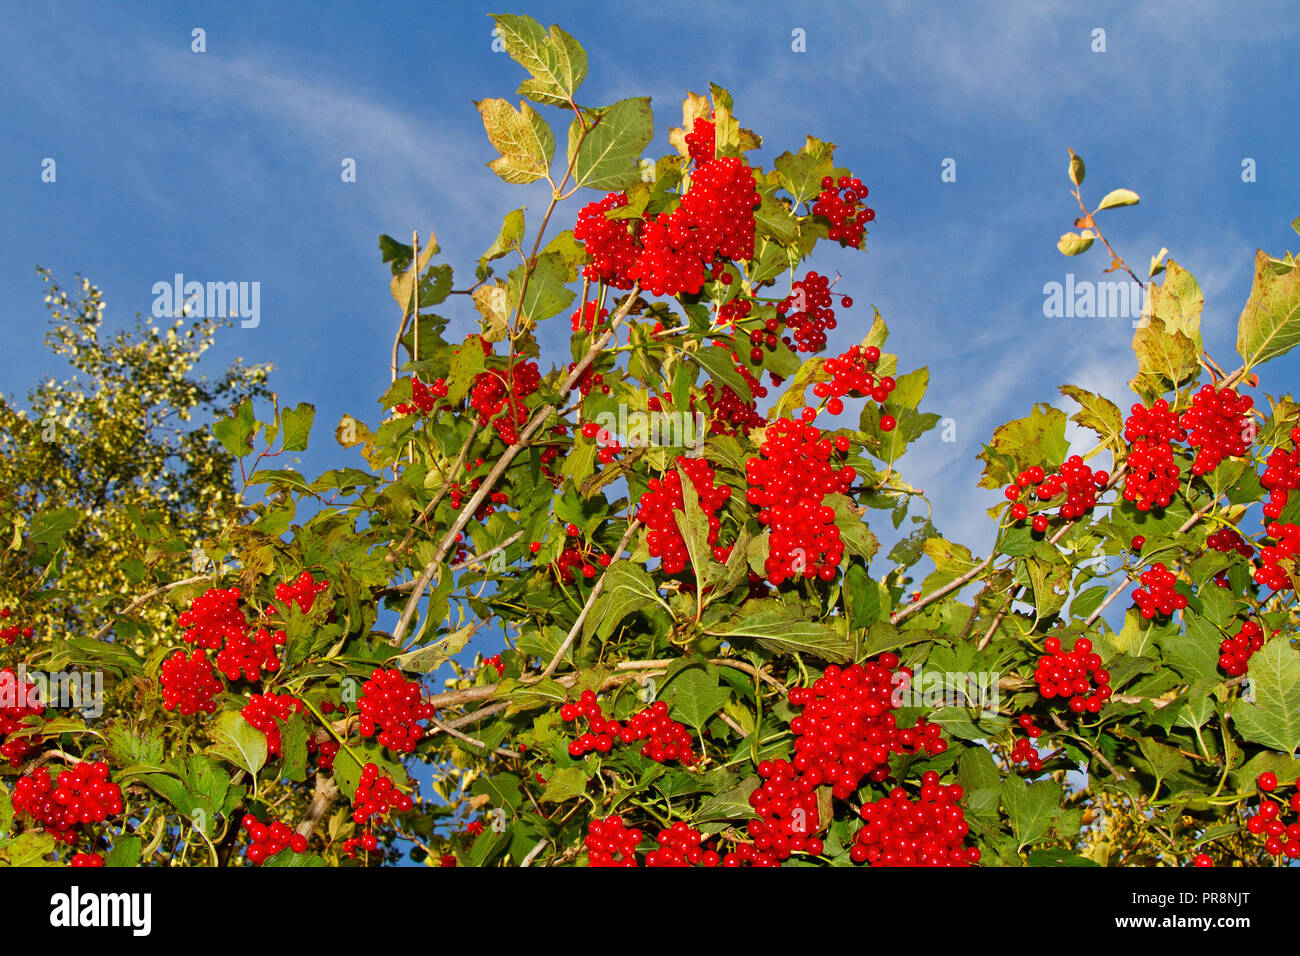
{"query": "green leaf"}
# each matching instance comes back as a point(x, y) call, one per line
point(976, 769)
point(1100, 415)
point(627, 589)
point(695, 696)
point(716, 360)
point(239, 742)
point(857, 537)
point(1031, 809)
point(785, 630)
point(350, 759)
point(125, 852)
point(772, 219)
point(426, 660)
point(1195, 652)
point(1164, 357)
point(236, 432)
point(1164, 760)
point(732, 804)
point(295, 425)
point(565, 783)
point(294, 734)
point(909, 389)
point(1038, 439)
point(1118, 197)
point(801, 173)
point(547, 293)
point(523, 138)
point(1056, 857)
point(557, 62)
point(49, 528)
point(1274, 718)
point(1270, 323)
point(28, 849)
point(508, 238)
point(605, 156)
point(951, 561)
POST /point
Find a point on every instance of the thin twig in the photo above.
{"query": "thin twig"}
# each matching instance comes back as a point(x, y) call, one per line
point(144, 599)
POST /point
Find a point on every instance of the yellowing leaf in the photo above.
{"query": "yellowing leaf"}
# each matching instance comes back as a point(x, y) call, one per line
point(1118, 197)
point(1074, 243)
point(523, 138)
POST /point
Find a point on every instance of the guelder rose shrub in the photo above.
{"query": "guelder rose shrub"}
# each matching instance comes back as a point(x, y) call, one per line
point(664, 540)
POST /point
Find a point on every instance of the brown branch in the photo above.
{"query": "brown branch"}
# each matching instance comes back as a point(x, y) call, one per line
point(144, 599)
point(539, 417)
point(632, 526)
point(323, 795)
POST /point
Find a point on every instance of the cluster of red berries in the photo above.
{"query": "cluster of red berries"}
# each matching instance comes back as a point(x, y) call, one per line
point(189, 683)
point(1229, 539)
point(702, 140)
point(604, 438)
point(682, 845)
point(393, 705)
point(18, 702)
point(1157, 595)
point(423, 397)
point(1235, 652)
point(851, 376)
point(1075, 675)
point(1218, 426)
point(1025, 752)
point(485, 510)
point(728, 408)
point(367, 841)
point(589, 379)
point(571, 558)
point(1281, 839)
point(213, 618)
point(611, 243)
point(11, 632)
point(1079, 482)
point(807, 313)
point(266, 840)
point(302, 592)
point(86, 859)
point(787, 483)
point(788, 821)
point(719, 208)
point(263, 711)
point(668, 253)
point(587, 318)
point(659, 505)
point(1270, 573)
point(251, 653)
point(81, 794)
point(376, 795)
point(496, 662)
point(326, 751)
point(1281, 476)
point(1151, 479)
point(499, 398)
point(840, 201)
point(665, 739)
point(610, 843)
point(846, 728)
point(930, 831)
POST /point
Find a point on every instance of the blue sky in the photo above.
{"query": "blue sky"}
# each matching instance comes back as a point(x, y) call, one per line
point(226, 166)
